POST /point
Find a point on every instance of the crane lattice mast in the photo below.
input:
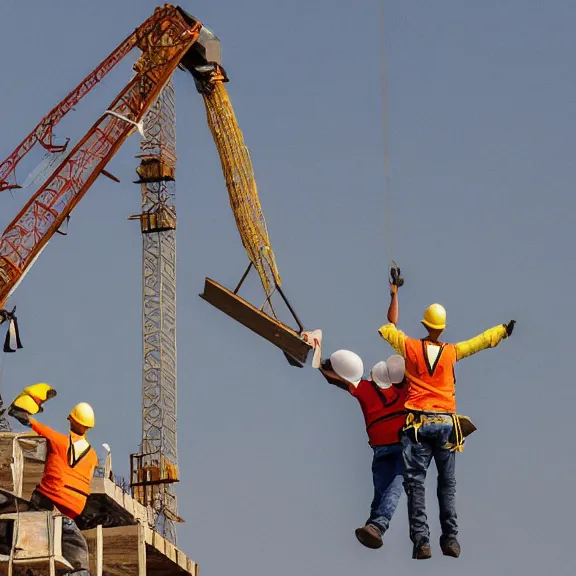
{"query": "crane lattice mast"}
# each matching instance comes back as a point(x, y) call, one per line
point(157, 464)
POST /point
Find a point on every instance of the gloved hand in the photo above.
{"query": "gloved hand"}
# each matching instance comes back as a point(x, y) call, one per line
point(395, 280)
point(395, 276)
point(20, 415)
point(327, 365)
point(510, 327)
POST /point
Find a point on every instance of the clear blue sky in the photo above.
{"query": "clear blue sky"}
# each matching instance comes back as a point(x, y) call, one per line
point(274, 462)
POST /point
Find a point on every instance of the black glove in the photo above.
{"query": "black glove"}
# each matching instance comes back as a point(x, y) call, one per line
point(20, 415)
point(327, 365)
point(395, 276)
point(510, 327)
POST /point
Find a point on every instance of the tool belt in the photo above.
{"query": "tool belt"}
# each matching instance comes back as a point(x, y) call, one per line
point(462, 426)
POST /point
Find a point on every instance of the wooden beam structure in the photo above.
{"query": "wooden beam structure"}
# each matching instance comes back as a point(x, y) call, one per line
point(35, 540)
point(269, 328)
point(118, 529)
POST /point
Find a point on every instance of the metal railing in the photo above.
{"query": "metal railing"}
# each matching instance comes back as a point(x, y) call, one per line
point(120, 481)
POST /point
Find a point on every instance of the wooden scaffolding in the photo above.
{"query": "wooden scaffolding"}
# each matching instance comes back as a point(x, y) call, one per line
point(118, 528)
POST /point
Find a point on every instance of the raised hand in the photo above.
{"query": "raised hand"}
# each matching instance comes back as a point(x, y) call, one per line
point(510, 327)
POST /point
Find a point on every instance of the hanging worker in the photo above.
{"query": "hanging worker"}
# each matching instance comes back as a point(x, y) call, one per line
point(432, 428)
point(68, 471)
point(381, 398)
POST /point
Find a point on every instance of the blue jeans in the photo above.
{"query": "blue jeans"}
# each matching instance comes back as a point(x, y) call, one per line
point(387, 477)
point(432, 438)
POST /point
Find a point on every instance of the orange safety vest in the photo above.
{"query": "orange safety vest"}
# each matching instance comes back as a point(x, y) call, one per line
point(67, 477)
point(430, 388)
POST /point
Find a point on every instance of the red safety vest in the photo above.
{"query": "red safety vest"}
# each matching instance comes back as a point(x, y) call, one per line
point(383, 410)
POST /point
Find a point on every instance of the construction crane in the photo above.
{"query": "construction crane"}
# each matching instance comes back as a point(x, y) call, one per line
point(171, 38)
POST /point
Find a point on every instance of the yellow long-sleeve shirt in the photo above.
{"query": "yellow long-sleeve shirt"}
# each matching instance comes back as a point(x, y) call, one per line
point(430, 367)
point(488, 339)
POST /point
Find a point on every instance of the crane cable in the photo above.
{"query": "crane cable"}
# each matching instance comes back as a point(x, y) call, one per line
point(384, 93)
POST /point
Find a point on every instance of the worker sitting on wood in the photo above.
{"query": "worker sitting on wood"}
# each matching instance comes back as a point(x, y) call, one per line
point(432, 427)
point(65, 484)
point(381, 398)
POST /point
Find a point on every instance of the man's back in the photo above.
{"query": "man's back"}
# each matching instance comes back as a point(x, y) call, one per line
point(430, 374)
point(383, 410)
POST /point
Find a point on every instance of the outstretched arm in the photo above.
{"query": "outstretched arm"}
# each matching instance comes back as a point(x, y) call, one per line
point(393, 311)
point(390, 333)
point(488, 339)
point(332, 377)
point(43, 430)
point(314, 338)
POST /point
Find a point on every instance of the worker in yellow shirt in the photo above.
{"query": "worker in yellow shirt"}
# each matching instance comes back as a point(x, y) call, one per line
point(432, 428)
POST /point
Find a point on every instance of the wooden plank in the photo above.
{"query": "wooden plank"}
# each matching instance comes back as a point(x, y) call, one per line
point(99, 552)
point(118, 495)
point(182, 560)
point(159, 543)
point(95, 541)
point(23, 455)
point(170, 551)
point(31, 477)
point(163, 558)
point(148, 535)
point(6, 480)
point(248, 315)
point(36, 567)
point(135, 551)
point(42, 565)
point(120, 550)
point(37, 540)
point(31, 532)
point(141, 551)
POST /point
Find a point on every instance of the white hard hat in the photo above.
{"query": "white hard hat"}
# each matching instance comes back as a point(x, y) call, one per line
point(347, 365)
point(380, 375)
point(396, 368)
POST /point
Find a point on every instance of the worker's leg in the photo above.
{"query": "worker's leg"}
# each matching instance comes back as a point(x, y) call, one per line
point(75, 547)
point(416, 458)
point(446, 466)
point(387, 479)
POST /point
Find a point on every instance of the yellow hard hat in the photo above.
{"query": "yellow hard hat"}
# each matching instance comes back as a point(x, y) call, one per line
point(40, 392)
point(83, 414)
point(435, 317)
point(27, 403)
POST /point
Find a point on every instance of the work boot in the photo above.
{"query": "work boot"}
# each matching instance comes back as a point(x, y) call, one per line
point(450, 546)
point(370, 536)
point(422, 550)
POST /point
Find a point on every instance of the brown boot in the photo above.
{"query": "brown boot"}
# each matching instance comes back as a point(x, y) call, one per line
point(370, 536)
point(450, 546)
point(422, 550)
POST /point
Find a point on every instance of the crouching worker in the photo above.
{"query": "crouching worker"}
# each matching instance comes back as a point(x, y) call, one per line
point(68, 471)
point(381, 399)
point(432, 428)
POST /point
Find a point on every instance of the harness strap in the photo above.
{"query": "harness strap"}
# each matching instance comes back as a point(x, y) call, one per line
point(458, 445)
point(416, 421)
point(387, 417)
